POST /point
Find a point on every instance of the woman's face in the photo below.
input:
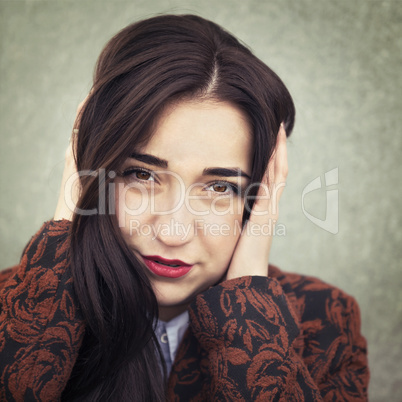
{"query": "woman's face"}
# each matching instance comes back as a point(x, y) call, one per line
point(180, 198)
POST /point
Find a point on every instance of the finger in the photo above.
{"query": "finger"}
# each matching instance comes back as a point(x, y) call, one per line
point(281, 156)
point(72, 146)
point(280, 170)
point(272, 183)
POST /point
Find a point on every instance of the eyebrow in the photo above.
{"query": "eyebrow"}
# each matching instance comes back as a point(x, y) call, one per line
point(150, 160)
point(211, 171)
point(224, 172)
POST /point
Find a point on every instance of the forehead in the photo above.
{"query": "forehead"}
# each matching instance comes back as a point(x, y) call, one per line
point(201, 134)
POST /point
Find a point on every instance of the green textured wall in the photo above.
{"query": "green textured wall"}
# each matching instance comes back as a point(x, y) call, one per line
point(341, 60)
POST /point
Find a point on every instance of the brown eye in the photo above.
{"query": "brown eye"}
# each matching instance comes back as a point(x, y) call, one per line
point(142, 175)
point(138, 174)
point(224, 188)
point(220, 188)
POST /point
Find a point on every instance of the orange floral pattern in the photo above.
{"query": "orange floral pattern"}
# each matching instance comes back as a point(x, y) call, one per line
point(284, 338)
point(41, 328)
point(287, 337)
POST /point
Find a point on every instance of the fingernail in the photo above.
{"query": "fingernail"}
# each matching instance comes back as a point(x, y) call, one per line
point(75, 131)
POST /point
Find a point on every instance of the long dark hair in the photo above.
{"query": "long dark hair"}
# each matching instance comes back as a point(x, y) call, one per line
point(145, 67)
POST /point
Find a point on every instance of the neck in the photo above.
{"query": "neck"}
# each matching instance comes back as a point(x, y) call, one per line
point(167, 313)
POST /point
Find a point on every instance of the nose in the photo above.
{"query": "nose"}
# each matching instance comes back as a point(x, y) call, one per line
point(174, 223)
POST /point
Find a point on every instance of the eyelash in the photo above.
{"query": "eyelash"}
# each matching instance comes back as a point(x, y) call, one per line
point(132, 170)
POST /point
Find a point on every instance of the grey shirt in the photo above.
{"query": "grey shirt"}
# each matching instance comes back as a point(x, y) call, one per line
point(169, 336)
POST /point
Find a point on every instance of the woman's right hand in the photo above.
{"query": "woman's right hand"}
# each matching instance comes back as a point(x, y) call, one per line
point(70, 184)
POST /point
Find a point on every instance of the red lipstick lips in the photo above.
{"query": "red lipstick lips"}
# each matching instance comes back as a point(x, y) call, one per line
point(167, 268)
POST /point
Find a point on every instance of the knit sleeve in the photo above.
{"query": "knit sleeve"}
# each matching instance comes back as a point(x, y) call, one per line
point(335, 350)
point(247, 328)
point(249, 341)
point(41, 327)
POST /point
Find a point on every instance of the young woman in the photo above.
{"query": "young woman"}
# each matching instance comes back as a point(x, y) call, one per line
point(158, 286)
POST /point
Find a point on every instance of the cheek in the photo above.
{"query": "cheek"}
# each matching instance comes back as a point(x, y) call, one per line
point(221, 234)
point(131, 204)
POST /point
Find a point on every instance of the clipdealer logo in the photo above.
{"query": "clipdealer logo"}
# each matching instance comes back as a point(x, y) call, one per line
point(331, 221)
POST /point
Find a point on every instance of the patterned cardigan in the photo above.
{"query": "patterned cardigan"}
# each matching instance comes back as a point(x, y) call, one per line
point(287, 337)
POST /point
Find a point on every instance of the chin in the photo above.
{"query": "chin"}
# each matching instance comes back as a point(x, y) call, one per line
point(172, 300)
point(177, 294)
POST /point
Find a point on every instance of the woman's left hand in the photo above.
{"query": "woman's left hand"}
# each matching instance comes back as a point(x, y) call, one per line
point(251, 254)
